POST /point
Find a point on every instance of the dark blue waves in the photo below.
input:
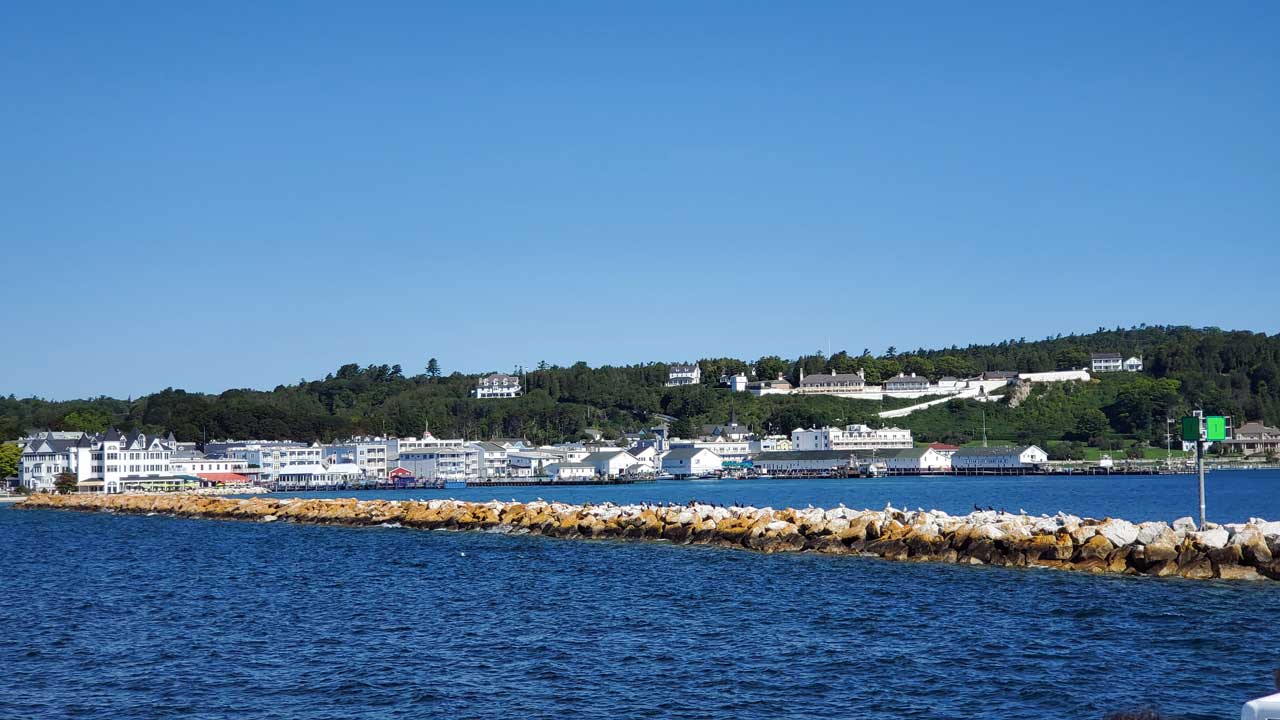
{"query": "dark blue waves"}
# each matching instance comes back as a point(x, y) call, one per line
point(148, 617)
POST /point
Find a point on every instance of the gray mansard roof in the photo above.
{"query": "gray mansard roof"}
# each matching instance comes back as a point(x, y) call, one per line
point(835, 379)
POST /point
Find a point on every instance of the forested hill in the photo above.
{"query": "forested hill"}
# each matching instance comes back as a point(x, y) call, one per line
point(1231, 372)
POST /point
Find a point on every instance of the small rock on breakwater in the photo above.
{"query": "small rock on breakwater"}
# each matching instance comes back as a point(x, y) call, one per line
point(1240, 551)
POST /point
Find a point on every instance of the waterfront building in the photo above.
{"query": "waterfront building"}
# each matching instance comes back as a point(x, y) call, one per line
point(319, 474)
point(841, 384)
point(272, 458)
point(851, 437)
point(531, 463)
point(645, 454)
point(615, 463)
point(680, 374)
point(395, 446)
point(440, 463)
point(690, 461)
point(724, 448)
point(1254, 438)
point(566, 471)
point(833, 462)
point(492, 460)
point(370, 454)
point(108, 463)
point(920, 459)
point(497, 385)
point(999, 458)
point(944, 449)
point(906, 383)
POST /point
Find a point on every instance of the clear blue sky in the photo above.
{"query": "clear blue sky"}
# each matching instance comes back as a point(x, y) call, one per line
point(247, 194)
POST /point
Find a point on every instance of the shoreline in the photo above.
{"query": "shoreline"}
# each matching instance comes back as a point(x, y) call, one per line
point(1238, 551)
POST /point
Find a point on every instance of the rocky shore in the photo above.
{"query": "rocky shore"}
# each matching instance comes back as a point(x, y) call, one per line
point(1243, 551)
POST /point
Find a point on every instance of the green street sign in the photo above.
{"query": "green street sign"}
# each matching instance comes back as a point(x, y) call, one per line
point(1215, 428)
point(1190, 429)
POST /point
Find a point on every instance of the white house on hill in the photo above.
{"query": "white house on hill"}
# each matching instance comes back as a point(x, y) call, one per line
point(497, 385)
point(679, 374)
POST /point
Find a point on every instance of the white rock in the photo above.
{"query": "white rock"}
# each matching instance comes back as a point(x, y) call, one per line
point(1119, 532)
point(1184, 524)
point(777, 526)
point(990, 532)
point(1215, 538)
point(1149, 532)
point(1269, 529)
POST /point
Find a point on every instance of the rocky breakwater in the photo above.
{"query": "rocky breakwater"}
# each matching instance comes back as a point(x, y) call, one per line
point(1242, 551)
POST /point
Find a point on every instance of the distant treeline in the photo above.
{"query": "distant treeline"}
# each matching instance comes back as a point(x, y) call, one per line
point(1228, 372)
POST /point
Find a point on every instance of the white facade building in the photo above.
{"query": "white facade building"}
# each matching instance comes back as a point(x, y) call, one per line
point(531, 463)
point(615, 463)
point(441, 463)
point(906, 384)
point(925, 459)
point(679, 374)
point(689, 461)
point(273, 459)
point(724, 448)
point(1133, 364)
point(851, 437)
point(998, 458)
point(370, 455)
point(1106, 362)
point(108, 463)
point(832, 384)
point(570, 471)
point(497, 385)
point(492, 460)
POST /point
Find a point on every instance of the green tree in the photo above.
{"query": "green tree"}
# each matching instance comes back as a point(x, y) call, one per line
point(1071, 359)
point(65, 483)
point(1092, 425)
point(9, 456)
point(770, 367)
point(90, 420)
point(433, 368)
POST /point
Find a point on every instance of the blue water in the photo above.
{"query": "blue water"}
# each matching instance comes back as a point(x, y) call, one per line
point(118, 617)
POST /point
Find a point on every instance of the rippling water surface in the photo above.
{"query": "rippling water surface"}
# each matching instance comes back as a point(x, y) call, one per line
point(151, 617)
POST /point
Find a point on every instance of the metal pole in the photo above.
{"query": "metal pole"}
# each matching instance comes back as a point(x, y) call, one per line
point(1200, 468)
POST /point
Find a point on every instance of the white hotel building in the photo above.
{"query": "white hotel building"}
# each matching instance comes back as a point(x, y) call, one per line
point(851, 437)
point(108, 463)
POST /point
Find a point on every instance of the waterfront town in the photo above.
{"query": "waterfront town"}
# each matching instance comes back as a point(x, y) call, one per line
point(115, 462)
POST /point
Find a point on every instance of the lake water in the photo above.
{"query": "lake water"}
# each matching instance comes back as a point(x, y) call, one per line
point(149, 617)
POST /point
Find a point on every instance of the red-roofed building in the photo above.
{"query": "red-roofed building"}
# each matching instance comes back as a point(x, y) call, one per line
point(944, 449)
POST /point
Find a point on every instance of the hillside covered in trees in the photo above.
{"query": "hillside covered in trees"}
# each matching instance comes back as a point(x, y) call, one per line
point(1228, 372)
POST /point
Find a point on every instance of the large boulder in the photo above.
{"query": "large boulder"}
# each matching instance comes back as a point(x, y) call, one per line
point(1119, 532)
point(1150, 533)
point(1211, 539)
point(1097, 547)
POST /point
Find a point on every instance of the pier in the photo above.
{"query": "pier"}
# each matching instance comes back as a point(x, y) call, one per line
point(1241, 551)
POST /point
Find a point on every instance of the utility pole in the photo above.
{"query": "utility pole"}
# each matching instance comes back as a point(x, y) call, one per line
point(1199, 415)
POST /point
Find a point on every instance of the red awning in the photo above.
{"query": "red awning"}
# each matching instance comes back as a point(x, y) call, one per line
point(223, 477)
